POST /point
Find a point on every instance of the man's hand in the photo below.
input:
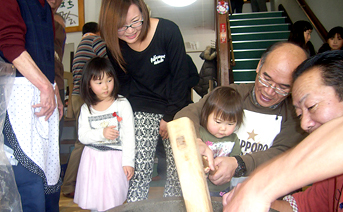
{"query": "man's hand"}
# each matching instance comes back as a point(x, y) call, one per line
point(47, 103)
point(242, 198)
point(226, 167)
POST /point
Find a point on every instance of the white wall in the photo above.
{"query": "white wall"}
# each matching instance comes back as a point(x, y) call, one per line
point(202, 41)
point(329, 12)
point(92, 9)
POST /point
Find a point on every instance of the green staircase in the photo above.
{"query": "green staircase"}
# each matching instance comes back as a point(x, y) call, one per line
point(252, 34)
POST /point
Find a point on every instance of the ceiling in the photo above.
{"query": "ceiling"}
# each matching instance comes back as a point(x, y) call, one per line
point(197, 18)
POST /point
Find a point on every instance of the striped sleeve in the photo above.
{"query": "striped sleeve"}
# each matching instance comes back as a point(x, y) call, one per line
point(89, 47)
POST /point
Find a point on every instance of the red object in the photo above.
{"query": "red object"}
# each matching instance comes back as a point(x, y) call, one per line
point(222, 29)
point(118, 118)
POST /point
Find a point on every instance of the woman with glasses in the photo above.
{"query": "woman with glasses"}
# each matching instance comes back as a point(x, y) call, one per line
point(150, 59)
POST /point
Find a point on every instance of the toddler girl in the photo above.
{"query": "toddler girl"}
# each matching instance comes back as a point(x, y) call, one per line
point(106, 128)
point(221, 115)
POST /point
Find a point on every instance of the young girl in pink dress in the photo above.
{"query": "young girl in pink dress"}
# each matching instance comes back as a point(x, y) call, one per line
point(106, 127)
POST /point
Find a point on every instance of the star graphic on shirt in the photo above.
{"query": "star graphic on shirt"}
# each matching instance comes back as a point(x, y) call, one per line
point(252, 135)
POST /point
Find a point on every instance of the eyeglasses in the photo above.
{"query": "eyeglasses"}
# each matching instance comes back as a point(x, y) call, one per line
point(133, 26)
point(276, 89)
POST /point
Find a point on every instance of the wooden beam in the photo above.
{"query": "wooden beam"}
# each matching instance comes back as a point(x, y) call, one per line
point(223, 51)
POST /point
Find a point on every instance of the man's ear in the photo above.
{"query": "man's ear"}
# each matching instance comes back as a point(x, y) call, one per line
point(258, 67)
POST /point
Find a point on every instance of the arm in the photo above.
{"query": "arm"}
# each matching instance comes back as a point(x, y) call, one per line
point(127, 133)
point(177, 97)
point(282, 206)
point(128, 138)
point(28, 68)
point(193, 76)
point(86, 134)
point(310, 161)
point(193, 111)
point(12, 45)
point(177, 86)
point(99, 47)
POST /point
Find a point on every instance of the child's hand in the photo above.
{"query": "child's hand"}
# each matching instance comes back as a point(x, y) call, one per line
point(205, 151)
point(110, 133)
point(128, 170)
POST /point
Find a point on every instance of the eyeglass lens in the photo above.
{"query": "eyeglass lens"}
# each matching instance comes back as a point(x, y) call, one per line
point(267, 84)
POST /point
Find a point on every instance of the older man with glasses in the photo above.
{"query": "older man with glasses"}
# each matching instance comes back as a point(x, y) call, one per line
point(318, 100)
point(270, 125)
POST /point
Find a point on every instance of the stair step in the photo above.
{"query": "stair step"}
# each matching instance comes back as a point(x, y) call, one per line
point(260, 35)
point(258, 21)
point(255, 15)
point(260, 28)
point(252, 34)
point(254, 44)
point(244, 76)
point(243, 82)
point(248, 53)
point(246, 63)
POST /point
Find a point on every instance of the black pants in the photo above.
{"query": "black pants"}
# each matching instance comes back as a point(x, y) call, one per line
point(237, 6)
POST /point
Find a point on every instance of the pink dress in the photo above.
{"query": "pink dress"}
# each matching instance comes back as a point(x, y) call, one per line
point(101, 182)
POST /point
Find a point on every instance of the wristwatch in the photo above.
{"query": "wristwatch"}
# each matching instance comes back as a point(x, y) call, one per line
point(241, 169)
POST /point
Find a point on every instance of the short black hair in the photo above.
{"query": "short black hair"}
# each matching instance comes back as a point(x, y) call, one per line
point(92, 27)
point(226, 103)
point(297, 32)
point(334, 31)
point(330, 63)
point(96, 68)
